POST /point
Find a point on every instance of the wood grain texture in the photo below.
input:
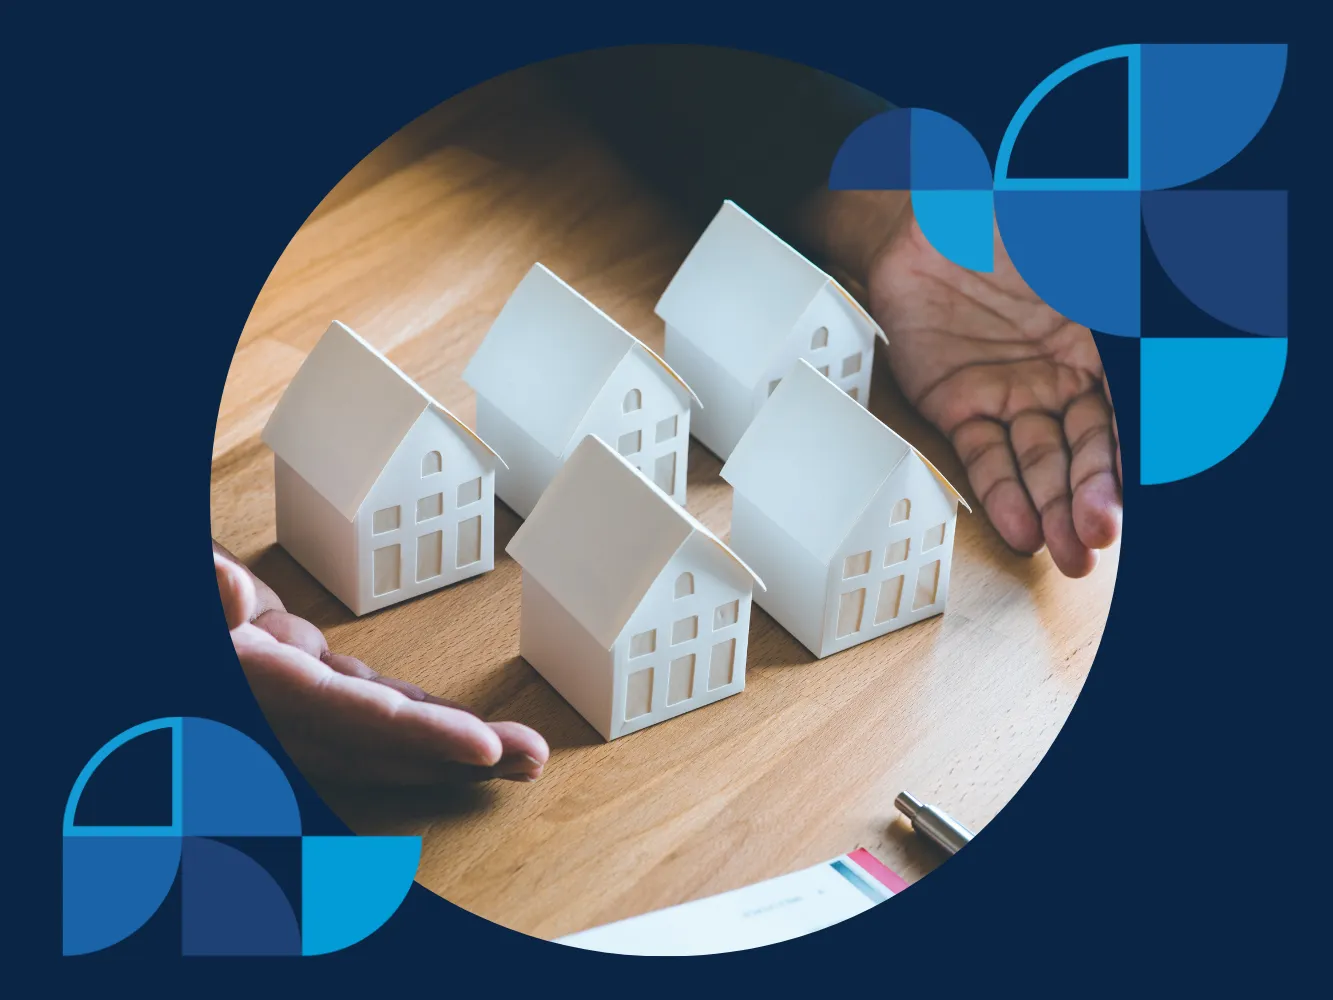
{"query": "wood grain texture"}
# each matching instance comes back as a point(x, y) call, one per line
point(417, 250)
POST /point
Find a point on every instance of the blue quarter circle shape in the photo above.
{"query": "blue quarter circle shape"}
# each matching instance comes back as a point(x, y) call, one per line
point(1128, 183)
point(959, 224)
point(1079, 251)
point(231, 906)
point(232, 787)
point(112, 886)
point(350, 886)
point(1226, 251)
point(95, 761)
point(1202, 105)
point(1201, 399)
point(945, 156)
point(876, 156)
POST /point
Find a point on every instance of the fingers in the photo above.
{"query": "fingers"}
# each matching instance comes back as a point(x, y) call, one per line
point(265, 597)
point(1093, 471)
point(287, 628)
point(238, 593)
point(363, 729)
point(1038, 441)
point(525, 752)
point(983, 445)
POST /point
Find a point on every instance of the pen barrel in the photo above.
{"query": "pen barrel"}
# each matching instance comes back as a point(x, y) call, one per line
point(944, 830)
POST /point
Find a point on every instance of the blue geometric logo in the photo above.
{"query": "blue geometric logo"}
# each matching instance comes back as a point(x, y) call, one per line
point(224, 788)
point(1076, 240)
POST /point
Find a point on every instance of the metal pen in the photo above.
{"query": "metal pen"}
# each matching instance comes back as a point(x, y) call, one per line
point(933, 824)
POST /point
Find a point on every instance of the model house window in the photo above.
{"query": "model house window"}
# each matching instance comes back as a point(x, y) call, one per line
point(823, 371)
point(851, 365)
point(431, 506)
point(720, 664)
point(850, 606)
point(934, 538)
point(431, 464)
point(897, 551)
point(820, 339)
point(469, 492)
point(902, 510)
point(890, 596)
point(856, 565)
point(684, 585)
point(666, 429)
point(633, 400)
point(927, 585)
point(643, 643)
point(680, 683)
point(430, 555)
point(386, 569)
point(469, 541)
point(630, 443)
point(684, 630)
point(855, 393)
point(639, 694)
point(384, 520)
point(664, 473)
point(726, 614)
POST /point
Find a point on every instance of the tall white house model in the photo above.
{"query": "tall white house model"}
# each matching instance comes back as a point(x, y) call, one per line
point(381, 493)
point(632, 609)
point(553, 369)
point(850, 526)
point(741, 310)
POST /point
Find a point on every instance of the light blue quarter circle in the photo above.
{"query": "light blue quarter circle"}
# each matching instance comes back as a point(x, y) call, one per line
point(350, 886)
point(959, 224)
point(95, 761)
point(1128, 183)
point(1201, 399)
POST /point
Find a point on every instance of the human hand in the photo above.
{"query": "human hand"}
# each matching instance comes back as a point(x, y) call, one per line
point(338, 718)
point(1016, 387)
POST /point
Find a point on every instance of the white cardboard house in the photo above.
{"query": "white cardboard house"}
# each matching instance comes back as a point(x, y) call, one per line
point(381, 493)
point(632, 609)
point(741, 310)
point(553, 369)
point(850, 526)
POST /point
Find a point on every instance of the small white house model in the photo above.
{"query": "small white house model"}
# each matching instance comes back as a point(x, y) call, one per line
point(850, 526)
point(381, 493)
point(741, 310)
point(632, 609)
point(553, 369)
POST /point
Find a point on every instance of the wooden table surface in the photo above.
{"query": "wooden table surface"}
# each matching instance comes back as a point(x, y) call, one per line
point(417, 249)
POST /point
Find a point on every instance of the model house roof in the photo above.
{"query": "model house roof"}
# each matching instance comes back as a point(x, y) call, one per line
point(548, 354)
point(813, 459)
point(600, 535)
point(345, 413)
point(740, 292)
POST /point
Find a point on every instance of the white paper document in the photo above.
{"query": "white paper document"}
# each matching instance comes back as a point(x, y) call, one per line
point(766, 913)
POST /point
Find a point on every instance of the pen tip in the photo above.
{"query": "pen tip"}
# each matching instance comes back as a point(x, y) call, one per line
point(908, 804)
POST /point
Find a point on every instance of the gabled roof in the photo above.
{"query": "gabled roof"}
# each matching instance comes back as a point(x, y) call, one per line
point(740, 292)
point(548, 354)
point(345, 413)
point(600, 535)
point(813, 459)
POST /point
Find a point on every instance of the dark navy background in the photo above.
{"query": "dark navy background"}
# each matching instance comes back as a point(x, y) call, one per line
point(162, 165)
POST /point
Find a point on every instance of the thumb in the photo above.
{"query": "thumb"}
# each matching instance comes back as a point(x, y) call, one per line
point(238, 593)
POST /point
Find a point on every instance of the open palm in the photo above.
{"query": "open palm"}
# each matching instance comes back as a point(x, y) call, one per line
point(1017, 388)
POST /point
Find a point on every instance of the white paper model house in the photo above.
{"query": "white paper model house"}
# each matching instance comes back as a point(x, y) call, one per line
point(553, 369)
point(632, 609)
point(381, 493)
point(850, 526)
point(740, 311)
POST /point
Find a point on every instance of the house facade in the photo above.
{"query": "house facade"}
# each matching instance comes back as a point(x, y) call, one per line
point(850, 527)
point(380, 493)
point(740, 312)
point(632, 610)
point(554, 369)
